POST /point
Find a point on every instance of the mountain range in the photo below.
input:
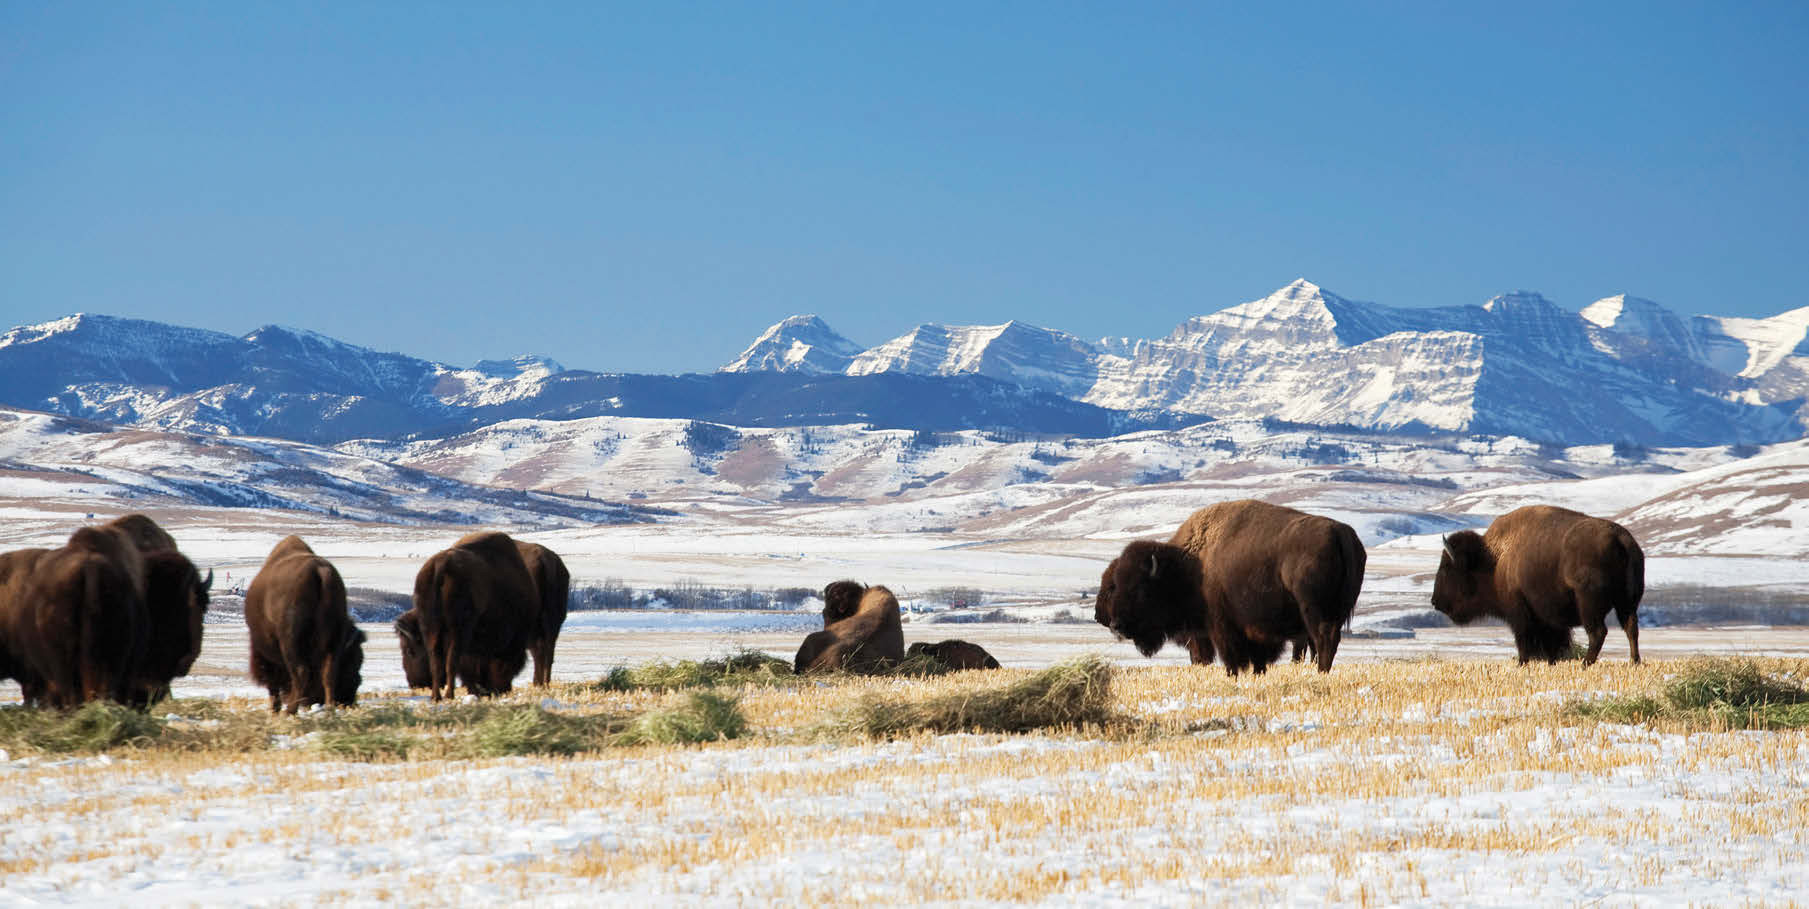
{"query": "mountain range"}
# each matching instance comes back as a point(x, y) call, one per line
point(1621, 370)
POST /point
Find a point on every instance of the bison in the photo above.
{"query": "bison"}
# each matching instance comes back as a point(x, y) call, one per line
point(482, 675)
point(76, 627)
point(305, 648)
point(1240, 580)
point(176, 598)
point(15, 575)
point(1545, 570)
point(871, 639)
point(955, 654)
point(554, 583)
point(840, 600)
point(474, 599)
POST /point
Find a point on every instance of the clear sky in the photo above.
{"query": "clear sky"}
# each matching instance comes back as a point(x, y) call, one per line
point(644, 187)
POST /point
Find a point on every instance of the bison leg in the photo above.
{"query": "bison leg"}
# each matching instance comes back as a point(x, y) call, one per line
point(543, 662)
point(1199, 647)
point(1630, 625)
point(1598, 633)
point(1325, 645)
point(1262, 653)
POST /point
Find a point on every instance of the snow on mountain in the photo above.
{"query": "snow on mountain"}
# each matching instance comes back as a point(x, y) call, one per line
point(1013, 352)
point(1626, 369)
point(797, 344)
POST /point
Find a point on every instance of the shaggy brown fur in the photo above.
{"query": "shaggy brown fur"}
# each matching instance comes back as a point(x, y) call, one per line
point(955, 654)
point(1238, 580)
point(176, 598)
point(142, 531)
point(840, 600)
point(1545, 570)
point(555, 585)
point(305, 648)
point(476, 599)
point(15, 576)
point(870, 640)
point(77, 628)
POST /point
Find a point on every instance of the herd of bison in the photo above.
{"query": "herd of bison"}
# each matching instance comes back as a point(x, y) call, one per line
point(116, 613)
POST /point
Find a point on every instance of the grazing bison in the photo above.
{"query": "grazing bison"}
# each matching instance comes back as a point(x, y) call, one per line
point(77, 626)
point(482, 675)
point(840, 600)
point(475, 599)
point(15, 575)
point(1545, 570)
point(175, 603)
point(1240, 579)
point(955, 654)
point(869, 640)
point(305, 648)
point(554, 583)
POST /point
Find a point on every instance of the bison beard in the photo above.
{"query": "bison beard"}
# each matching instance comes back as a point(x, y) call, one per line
point(1545, 570)
point(1239, 581)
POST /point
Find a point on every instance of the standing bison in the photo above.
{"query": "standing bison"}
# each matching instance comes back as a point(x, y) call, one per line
point(76, 624)
point(870, 639)
point(1545, 570)
point(304, 647)
point(175, 602)
point(554, 584)
point(1240, 579)
point(475, 599)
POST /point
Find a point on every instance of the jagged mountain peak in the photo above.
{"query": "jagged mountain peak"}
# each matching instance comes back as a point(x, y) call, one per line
point(800, 343)
point(524, 365)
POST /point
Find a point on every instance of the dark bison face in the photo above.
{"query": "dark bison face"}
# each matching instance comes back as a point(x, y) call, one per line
point(414, 650)
point(1144, 593)
point(348, 669)
point(1464, 568)
point(840, 600)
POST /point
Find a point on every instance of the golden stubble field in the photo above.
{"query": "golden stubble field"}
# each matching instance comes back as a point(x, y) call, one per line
point(1418, 781)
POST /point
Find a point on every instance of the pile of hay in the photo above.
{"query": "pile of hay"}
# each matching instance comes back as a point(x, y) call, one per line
point(745, 667)
point(94, 727)
point(1074, 693)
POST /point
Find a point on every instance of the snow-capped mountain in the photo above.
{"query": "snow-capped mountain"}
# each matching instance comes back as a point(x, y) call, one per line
point(1625, 369)
point(798, 344)
point(301, 385)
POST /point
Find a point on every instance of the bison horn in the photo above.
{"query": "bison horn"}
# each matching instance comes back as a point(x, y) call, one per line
point(1446, 539)
point(209, 583)
point(1154, 565)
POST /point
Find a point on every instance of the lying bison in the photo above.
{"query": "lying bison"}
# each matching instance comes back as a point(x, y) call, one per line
point(870, 639)
point(554, 584)
point(305, 649)
point(1545, 570)
point(475, 599)
point(955, 654)
point(76, 627)
point(1240, 579)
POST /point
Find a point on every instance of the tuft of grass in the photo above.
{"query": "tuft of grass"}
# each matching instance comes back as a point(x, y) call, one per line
point(701, 717)
point(921, 664)
point(368, 745)
point(1714, 693)
point(94, 727)
point(1073, 693)
point(744, 667)
point(531, 730)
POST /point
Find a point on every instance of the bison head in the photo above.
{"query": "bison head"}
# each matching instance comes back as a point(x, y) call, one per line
point(414, 650)
point(1465, 574)
point(840, 600)
point(1148, 594)
point(348, 668)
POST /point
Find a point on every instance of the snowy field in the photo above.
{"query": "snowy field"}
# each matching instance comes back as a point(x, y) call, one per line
point(1419, 782)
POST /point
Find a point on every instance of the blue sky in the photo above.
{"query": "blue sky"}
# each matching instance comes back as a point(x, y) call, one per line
point(645, 187)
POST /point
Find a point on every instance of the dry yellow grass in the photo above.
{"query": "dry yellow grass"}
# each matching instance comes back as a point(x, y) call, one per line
point(1421, 781)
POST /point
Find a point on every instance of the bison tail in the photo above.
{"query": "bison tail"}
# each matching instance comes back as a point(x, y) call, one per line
point(1356, 559)
point(1634, 560)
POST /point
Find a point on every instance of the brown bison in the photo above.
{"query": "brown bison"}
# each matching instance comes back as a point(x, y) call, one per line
point(840, 600)
point(554, 583)
point(1545, 570)
point(869, 640)
point(176, 598)
point(15, 576)
point(1240, 580)
point(305, 648)
point(955, 654)
point(475, 599)
point(76, 628)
